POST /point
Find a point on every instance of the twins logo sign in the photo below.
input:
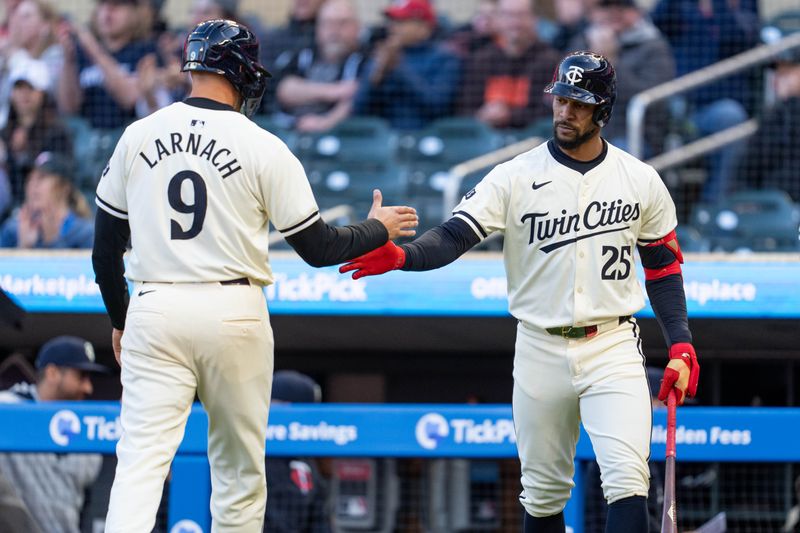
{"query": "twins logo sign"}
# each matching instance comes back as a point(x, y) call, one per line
point(64, 426)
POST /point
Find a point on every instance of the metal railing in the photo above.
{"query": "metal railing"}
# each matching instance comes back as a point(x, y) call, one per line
point(639, 103)
point(457, 174)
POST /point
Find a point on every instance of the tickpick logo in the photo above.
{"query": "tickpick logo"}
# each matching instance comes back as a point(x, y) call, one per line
point(431, 429)
point(63, 426)
point(186, 526)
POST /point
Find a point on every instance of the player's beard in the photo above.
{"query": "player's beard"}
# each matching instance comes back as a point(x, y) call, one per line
point(578, 140)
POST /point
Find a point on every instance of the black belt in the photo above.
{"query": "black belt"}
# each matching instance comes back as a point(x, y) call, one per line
point(580, 332)
point(240, 281)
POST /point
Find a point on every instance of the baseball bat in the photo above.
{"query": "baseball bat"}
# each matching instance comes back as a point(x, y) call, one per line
point(669, 520)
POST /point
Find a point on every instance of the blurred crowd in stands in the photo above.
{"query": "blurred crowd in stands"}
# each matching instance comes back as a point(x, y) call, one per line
point(67, 90)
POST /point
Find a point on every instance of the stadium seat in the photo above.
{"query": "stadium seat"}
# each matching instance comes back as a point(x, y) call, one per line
point(336, 184)
point(787, 22)
point(691, 240)
point(756, 220)
point(283, 133)
point(355, 142)
point(428, 156)
point(92, 148)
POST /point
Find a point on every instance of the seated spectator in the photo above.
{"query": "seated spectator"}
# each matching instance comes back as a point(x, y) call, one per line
point(503, 81)
point(642, 59)
point(410, 79)
point(5, 194)
point(317, 88)
point(202, 10)
point(702, 33)
point(99, 79)
point(55, 213)
point(281, 43)
point(297, 501)
point(33, 125)
point(570, 21)
point(477, 33)
point(32, 36)
point(53, 485)
point(772, 159)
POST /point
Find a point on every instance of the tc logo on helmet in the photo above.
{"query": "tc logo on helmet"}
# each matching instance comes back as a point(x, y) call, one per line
point(574, 75)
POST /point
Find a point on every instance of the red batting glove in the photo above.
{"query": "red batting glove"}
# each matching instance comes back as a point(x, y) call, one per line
point(681, 351)
point(378, 261)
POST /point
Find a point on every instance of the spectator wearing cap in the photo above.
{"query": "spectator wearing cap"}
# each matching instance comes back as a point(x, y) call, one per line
point(477, 32)
point(642, 58)
point(297, 501)
point(31, 36)
point(33, 125)
point(411, 79)
point(99, 81)
point(503, 81)
point(772, 158)
point(55, 213)
point(53, 485)
point(318, 85)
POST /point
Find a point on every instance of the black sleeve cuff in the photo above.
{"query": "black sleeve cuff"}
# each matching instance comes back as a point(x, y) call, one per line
point(111, 235)
point(439, 246)
point(323, 245)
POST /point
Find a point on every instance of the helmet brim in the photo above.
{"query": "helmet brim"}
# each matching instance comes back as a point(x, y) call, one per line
point(565, 90)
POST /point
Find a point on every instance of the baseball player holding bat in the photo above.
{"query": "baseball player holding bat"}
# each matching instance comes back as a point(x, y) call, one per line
point(573, 211)
point(194, 187)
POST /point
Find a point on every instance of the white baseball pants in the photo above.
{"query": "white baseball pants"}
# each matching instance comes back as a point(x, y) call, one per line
point(558, 383)
point(181, 339)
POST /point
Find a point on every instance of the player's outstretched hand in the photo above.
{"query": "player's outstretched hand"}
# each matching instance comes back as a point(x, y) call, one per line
point(378, 261)
point(682, 372)
point(400, 220)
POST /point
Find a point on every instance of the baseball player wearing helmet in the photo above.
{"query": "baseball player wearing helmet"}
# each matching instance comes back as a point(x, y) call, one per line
point(194, 187)
point(573, 211)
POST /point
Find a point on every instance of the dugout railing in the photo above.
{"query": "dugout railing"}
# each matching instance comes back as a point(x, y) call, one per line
point(466, 433)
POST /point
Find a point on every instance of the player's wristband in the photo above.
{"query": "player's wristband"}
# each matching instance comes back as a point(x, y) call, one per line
point(685, 352)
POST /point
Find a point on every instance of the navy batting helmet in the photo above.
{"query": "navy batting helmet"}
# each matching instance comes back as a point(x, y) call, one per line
point(587, 77)
point(229, 49)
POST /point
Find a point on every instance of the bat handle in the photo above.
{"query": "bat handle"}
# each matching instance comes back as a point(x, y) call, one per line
point(672, 403)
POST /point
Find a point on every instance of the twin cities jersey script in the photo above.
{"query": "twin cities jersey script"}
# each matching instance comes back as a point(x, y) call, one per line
point(592, 222)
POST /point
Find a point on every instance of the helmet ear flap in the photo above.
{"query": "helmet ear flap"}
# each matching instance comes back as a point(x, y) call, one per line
point(601, 115)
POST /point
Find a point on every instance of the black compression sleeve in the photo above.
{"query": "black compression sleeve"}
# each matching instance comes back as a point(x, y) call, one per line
point(111, 235)
point(439, 246)
point(669, 305)
point(322, 245)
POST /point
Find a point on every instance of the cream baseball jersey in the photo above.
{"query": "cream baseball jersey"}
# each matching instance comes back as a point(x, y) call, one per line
point(199, 186)
point(570, 237)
